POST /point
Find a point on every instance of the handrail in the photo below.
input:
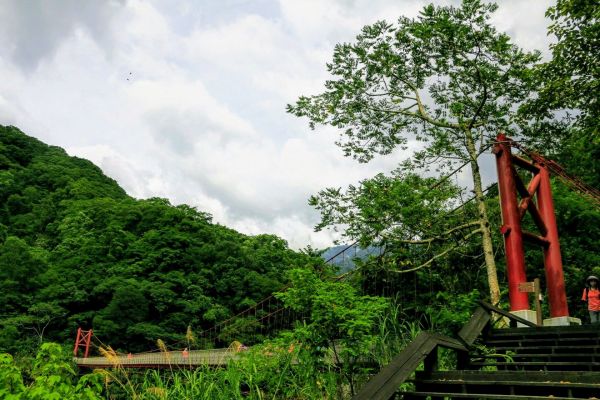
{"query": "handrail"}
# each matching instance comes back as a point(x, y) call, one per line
point(514, 318)
point(423, 348)
point(475, 326)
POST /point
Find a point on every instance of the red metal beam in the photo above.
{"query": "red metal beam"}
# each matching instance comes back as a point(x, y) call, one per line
point(83, 338)
point(511, 229)
point(510, 184)
point(523, 163)
point(552, 260)
point(77, 339)
point(536, 239)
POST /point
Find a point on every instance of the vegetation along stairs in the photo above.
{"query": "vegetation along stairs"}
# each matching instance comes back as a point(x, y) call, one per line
point(527, 362)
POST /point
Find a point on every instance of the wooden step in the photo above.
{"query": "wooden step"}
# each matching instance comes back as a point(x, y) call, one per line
point(520, 342)
point(536, 385)
point(516, 337)
point(537, 333)
point(441, 395)
point(576, 357)
point(540, 365)
point(516, 384)
point(547, 331)
point(549, 349)
point(531, 376)
point(566, 328)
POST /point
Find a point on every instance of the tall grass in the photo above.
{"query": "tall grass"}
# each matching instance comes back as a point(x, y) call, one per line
point(278, 369)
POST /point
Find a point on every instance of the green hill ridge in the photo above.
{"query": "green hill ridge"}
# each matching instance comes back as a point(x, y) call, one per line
point(76, 250)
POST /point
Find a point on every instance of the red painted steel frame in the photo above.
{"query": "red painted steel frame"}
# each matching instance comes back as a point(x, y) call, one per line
point(511, 228)
point(555, 280)
point(509, 184)
point(83, 338)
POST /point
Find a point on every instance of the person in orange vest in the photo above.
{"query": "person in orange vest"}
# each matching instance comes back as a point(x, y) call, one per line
point(591, 294)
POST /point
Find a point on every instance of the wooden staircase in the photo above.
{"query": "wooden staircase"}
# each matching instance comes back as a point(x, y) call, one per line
point(514, 363)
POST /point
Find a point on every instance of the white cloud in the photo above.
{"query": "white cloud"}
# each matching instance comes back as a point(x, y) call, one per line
point(32, 30)
point(524, 22)
point(188, 102)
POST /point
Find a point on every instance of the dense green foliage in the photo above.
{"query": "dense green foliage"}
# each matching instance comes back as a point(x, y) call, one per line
point(348, 336)
point(51, 376)
point(75, 250)
point(449, 80)
point(574, 70)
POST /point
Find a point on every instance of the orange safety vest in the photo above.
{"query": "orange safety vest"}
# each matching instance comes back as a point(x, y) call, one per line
point(592, 296)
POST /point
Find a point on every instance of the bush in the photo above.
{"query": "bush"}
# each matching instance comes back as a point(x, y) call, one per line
point(51, 378)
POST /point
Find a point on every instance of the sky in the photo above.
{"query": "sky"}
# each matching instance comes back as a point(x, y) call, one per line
point(186, 99)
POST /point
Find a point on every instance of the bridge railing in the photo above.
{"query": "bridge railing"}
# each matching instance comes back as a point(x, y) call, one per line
point(268, 316)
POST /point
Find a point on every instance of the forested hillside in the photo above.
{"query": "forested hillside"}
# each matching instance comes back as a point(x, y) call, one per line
point(76, 250)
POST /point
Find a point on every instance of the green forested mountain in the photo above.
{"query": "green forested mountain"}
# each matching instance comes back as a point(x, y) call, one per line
point(76, 250)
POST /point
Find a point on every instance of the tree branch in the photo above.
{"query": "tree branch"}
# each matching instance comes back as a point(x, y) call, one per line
point(422, 114)
point(435, 257)
point(442, 236)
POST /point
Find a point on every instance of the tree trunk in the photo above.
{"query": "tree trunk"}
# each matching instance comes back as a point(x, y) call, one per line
point(484, 222)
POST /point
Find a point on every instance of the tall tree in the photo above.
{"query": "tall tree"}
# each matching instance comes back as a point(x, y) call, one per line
point(574, 70)
point(569, 85)
point(446, 78)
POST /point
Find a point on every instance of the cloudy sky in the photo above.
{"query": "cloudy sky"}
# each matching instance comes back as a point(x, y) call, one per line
point(186, 99)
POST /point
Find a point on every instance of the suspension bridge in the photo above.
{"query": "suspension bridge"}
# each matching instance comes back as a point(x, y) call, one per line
point(163, 359)
point(270, 315)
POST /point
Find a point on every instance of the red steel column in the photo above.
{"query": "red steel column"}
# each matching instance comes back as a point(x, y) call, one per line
point(77, 342)
point(552, 262)
point(87, 343)
point(511, 228)
point(83, 338)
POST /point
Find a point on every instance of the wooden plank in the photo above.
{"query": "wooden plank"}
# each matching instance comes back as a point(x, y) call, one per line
point(443, 395)
point(526, 287)
point(516, 382)
point(385, 384)
point(479, 396)
point(537, 301)
point(545, 330)
point(546, 356)
point(448, 342)
point(585, 364)
point(473, 328)
point(581, 377)
point(587, 349)
point(508, 315)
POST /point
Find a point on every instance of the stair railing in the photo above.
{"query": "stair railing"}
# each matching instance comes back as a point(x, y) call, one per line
point(424, 349)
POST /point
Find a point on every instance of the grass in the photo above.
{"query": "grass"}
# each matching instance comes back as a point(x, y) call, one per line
point(278, 369)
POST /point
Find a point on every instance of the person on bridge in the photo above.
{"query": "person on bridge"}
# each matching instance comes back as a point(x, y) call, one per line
point(591, 294)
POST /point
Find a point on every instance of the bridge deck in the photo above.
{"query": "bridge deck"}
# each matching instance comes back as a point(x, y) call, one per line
point(178, 359)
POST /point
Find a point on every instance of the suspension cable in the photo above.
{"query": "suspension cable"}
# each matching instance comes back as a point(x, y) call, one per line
point(558, 170)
